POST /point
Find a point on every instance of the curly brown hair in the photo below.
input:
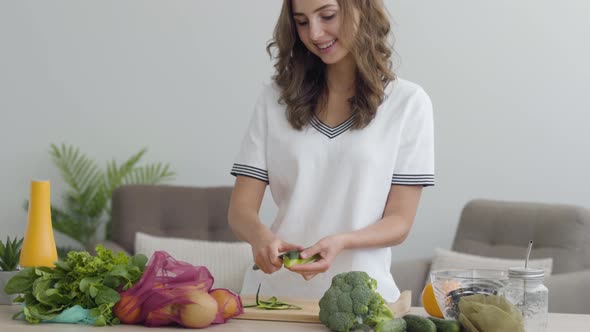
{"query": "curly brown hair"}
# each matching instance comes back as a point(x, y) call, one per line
point(301, 76)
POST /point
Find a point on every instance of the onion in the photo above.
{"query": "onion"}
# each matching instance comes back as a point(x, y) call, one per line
point(201, 312)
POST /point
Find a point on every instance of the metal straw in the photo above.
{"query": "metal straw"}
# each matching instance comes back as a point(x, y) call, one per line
point(528, 254)
point(526, 264)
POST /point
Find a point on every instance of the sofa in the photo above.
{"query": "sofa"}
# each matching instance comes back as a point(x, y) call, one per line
point(171, 211)
point(486, 228)
point(502, 229)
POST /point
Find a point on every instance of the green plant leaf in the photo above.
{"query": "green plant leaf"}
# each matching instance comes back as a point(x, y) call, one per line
point(100, 321)
point(54, 297)
point(87, 201)
point(111, 281)
point(10, 253)
point(65, 267)
point(120, 271)
point(40, 285)
point(86, 282)
point(106, 295)
point(36, 313)
point(80, 172)
point(149, 174)
point(93, 291)
point(21, 282)
point(115, 175)
point(139, 260)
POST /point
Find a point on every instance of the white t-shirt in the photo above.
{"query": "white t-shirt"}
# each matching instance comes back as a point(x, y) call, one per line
point(327, 180)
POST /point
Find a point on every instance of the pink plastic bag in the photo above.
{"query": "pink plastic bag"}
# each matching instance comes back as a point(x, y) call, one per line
point(171, 291)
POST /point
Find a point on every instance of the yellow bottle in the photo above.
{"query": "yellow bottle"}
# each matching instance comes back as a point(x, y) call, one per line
point(39, 245)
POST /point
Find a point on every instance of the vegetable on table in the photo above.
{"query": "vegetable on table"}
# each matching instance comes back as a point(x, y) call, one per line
point(292, 258)
point(128, 309)
point(175, 292)
point(91, 282)
point(201, 312)
point(416, 323)
point(353, 301)
point(392, 325)
point(445, 325)
point(272, 303)
point(228, 302)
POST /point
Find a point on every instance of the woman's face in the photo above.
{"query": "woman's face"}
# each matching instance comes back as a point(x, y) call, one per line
point(318, 26)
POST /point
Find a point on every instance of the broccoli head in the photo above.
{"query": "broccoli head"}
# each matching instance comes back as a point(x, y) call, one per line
point(351, 301)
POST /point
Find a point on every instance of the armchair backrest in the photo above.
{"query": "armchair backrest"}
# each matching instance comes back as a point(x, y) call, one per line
point(503, 229)
point(175, 211)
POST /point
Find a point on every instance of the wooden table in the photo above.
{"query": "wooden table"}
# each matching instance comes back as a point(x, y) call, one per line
point(557, 323)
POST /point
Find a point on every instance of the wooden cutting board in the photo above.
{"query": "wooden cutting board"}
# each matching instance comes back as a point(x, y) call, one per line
point(310, 309)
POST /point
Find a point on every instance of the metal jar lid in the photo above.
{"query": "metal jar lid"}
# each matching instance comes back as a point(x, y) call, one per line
point(526, 273)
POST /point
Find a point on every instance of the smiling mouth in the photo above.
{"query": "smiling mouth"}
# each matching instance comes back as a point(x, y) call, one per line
point(326, 46)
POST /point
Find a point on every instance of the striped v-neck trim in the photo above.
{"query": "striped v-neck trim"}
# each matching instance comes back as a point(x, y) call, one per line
point(328, 131)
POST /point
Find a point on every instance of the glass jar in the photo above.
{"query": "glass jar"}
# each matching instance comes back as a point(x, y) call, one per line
point(528, 293)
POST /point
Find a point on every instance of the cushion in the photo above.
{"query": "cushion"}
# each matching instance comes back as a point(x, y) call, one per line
point(447, 259)
point(227, 261)
point(569, 292)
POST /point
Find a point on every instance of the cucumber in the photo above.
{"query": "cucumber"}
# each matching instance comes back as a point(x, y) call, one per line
point(393, 325)
point(445, 325)
point(417, 323)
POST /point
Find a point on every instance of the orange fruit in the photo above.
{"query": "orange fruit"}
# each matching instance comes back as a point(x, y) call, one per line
point(227, 303)
point(162, 316)
point(429, 302)
point(128, 310)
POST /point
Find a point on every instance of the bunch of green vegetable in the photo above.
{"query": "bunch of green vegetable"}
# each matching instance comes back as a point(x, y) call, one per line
point(92, 282)
point(352, 302)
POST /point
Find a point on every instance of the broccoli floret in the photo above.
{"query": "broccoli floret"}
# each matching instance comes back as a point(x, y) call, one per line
point(351, 301)
point(292, 258)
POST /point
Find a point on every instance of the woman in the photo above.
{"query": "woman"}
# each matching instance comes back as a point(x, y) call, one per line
point(344, 145)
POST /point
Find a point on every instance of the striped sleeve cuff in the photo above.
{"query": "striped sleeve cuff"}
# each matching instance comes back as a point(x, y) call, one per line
point(413, 179)
point(250, 171)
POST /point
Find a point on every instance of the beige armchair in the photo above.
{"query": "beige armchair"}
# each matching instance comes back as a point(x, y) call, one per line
point(503, 229)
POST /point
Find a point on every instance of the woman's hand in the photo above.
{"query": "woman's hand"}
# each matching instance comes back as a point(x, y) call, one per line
point(327, 248)
point(266, 252)
point(245, 223)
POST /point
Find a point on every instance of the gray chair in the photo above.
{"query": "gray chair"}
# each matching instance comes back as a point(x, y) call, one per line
point(502, 229)
point(174, 211)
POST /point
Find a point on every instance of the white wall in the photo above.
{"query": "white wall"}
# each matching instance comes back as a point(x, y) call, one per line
point(508, 79)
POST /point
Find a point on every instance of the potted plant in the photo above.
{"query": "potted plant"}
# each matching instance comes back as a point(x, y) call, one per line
point(87, 201)
point(9, 257)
